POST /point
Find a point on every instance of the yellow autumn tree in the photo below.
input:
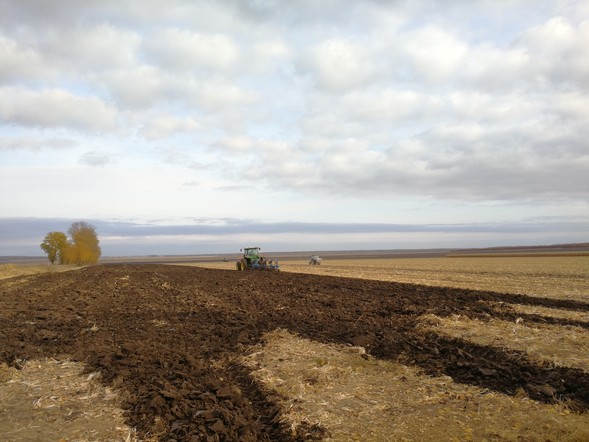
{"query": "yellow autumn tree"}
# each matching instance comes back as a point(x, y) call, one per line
point(84, 246)
point(54, 244)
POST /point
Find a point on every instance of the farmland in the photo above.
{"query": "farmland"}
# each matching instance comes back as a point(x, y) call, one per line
point(406, 349)
point(565, 277)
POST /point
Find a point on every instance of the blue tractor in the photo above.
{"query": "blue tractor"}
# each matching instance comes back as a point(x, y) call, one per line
point(253, 260)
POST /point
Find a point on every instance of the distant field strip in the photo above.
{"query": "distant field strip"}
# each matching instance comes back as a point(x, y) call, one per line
point(565, 277)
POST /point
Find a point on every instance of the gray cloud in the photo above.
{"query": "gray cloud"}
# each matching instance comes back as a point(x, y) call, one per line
point(21, 228)
point(94, 158)
point(473, 162)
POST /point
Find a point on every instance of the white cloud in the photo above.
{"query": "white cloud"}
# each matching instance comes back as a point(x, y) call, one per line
point(389, 105)
point(218, 94)
point(265, 53)
point(18, 63)
point(236, 144)
point(560, 51)
point(55, 108)
point(572, 106)
point(34, 143)
point(435, 54)
point(338, 64)
point(166, 126)
point(491, 68)
point(148, 87)
point(176, 49)
point(482, 106)
point(135, 87)
point(96, 48)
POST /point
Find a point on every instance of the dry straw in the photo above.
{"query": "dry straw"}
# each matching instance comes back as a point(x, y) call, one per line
point(566, 346)
point(352, 396)
point(54, 400)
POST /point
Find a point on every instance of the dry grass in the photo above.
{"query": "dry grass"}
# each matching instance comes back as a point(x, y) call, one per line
point(562, 277)
point(565, 277)
point(545, 311)
point(52, 399)
point(562, 345)
point(354, 397)
point(12, 270)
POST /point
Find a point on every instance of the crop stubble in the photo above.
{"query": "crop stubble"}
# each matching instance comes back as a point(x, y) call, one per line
point(564, 277)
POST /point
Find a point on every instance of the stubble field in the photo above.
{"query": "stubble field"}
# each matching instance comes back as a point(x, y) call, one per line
point(403, 349)
point(565, 277)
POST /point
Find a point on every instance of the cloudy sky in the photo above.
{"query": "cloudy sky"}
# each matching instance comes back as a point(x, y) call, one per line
point(198, 126)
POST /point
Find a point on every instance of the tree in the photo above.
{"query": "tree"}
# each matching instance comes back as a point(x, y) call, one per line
point(54, 245)
point(84, 247)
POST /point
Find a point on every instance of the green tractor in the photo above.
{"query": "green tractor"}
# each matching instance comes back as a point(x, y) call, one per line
point(252, 260)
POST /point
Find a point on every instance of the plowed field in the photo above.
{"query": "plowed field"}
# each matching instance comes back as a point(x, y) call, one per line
point(170, 338)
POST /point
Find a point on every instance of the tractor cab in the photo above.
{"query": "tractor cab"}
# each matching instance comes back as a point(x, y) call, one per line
point(251, 255)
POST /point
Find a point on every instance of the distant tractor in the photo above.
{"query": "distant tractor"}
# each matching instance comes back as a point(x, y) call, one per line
point(253, 260)
point(315, 260)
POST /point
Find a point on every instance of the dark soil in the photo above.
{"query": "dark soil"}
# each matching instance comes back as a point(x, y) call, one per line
point(169, 336)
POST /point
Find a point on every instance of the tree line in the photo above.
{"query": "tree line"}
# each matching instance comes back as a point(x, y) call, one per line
point(80, 248)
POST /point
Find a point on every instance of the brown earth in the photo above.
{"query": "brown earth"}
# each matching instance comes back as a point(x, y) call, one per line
point(170, 338)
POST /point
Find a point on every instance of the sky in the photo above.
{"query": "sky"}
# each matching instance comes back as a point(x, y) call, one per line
point(203, 126)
